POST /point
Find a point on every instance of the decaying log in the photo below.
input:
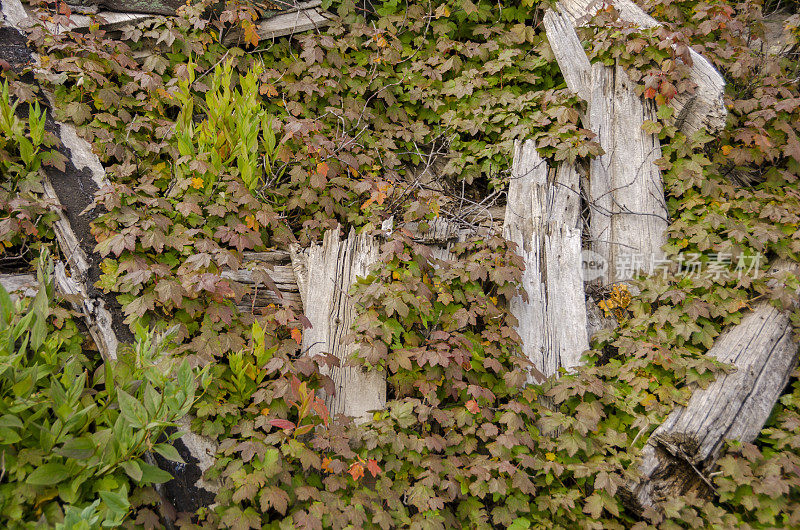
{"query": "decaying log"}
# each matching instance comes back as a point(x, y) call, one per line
point(290, 18)
point(704, 108)
point(332, 268)
point(276, 265)
point(542, 218)
point(19, 285)
point(628, 217)
point(628, 213)
point(682, 451)
point(306, 16)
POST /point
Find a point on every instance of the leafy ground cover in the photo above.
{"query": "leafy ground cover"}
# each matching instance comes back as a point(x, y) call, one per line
point(213, 151)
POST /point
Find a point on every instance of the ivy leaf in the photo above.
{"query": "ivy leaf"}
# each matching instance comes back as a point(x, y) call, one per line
point(273, 497)
point(373, 467)
point(594, 506)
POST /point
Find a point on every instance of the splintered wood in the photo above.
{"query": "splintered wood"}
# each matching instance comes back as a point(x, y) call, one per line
point(628, 217)
point(683, 450)
point(543, 219)
point(331, 269)
point(703, 109)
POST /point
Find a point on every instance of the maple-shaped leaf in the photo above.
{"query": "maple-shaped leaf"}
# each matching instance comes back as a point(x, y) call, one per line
point(472, 406)
point(373, 467)
point(272, 497)
point(246, 491)
point(297, 335)
point(238, 519)
point(356, 470)
point(594, 506)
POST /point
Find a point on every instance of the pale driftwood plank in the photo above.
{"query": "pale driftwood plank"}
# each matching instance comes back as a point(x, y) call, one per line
point(332, 268)
point(683, 450)
point(703, 109)
point(542, 218)
point(629, 215)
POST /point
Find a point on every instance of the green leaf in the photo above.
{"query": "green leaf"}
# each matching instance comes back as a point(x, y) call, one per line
point(132, 410)
point(153, 474)
point(48, 474)
point(116, 502)
point(78, 448)
point(132, 468)
point(169, 452)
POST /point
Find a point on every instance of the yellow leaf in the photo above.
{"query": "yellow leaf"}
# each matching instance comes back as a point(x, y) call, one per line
point(550, 456)
point(197, 183)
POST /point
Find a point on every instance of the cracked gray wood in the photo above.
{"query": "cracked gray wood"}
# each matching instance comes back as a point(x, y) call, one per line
point(331, 269)
point(684, 449)
point(705, 108)
point(543, 219)
point(628, 213)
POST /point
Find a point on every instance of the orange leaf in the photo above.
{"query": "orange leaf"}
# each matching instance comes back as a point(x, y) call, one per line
point(250, 34)
point(356, 471)
point(373, 467)
point(297, 335)
point(322, 169)
point(473, 407)
point(325, 463)
point(269, 90)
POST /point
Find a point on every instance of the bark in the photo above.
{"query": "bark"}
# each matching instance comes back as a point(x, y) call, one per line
point(683, 450)
point(543, 219)
point(704, 108)
point(332, 268)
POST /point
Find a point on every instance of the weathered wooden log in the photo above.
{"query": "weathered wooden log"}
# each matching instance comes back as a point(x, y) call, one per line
point(683, 450)
point(628, 213)
point(704, 108)
point(543, 219)
point(331, 269)
point(288, 18)
point(19, 285)
point(628, 218)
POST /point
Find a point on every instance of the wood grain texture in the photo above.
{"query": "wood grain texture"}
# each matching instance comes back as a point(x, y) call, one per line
point(542, 218)
point(19, 285)
point(332, 268)
point(684, 449)
point(628, 217)
point(704, 108)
